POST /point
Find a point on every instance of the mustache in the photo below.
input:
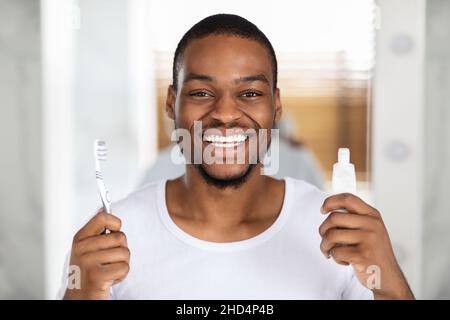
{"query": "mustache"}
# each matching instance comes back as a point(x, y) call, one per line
point(219, 125)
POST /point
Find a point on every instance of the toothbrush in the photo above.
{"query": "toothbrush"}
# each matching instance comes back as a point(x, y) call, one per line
point(100, 153)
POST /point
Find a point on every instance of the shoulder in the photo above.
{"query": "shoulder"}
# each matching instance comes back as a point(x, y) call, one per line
point(305, 219)
point(134, 198)
point(304, 193)
point(140, 205)
point(304, 201)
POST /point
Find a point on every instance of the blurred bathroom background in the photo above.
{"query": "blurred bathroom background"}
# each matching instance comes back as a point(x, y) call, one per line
point(373, 76)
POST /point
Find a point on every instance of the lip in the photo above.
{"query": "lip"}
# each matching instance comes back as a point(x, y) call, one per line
point(226, 144)
point(227, 150)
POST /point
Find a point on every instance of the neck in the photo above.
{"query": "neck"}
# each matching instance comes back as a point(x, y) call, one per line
point(225, 207)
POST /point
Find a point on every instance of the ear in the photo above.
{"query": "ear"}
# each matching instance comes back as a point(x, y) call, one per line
point(170, 102)
point(278, 107)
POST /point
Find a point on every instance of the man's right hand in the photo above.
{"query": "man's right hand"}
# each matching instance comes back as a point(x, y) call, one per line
point(103, 259)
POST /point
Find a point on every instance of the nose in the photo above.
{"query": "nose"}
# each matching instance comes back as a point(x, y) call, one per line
point(226, 110)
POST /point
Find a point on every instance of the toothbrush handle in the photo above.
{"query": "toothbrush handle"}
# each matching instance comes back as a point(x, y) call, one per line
point(104, 195)
point(106, 206)
point(106, 203)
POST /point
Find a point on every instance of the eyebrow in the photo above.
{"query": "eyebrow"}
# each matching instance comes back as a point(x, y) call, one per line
point(258, 77)
point(195, 76)
point(203, 77)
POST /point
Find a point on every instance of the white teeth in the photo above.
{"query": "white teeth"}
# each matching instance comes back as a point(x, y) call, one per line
point(238, 138)
point(226, 145)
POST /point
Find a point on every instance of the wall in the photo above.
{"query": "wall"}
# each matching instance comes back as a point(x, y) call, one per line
point(437, 152)
point(21, 213)
point(397, 130)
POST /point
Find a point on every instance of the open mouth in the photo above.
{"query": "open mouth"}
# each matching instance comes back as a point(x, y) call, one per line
point(219, 141)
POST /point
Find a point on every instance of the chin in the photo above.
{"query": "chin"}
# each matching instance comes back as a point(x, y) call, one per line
point(226, 171)
point(224, 176)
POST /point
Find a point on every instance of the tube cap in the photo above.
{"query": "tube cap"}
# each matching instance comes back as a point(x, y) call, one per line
point(343, 155)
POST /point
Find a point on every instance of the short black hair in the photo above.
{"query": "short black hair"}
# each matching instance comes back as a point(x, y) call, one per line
point(223, 24)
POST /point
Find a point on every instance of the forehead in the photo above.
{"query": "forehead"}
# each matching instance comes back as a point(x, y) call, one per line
point(226, 57)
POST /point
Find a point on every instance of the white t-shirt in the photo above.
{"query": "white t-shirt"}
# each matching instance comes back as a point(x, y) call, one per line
point(282, 262)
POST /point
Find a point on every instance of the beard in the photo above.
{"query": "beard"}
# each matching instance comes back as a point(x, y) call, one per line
point(224, 183)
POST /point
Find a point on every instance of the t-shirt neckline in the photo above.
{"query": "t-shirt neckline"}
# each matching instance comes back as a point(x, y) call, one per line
point(256, 240)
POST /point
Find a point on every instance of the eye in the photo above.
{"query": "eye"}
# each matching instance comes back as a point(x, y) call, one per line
point(251, 94)
point(200, 94)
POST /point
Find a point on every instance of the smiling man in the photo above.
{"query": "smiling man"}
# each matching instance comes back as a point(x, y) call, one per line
point(223, 230)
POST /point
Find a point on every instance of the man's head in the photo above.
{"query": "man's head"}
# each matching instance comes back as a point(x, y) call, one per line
point(228, 25)
point(224, 75)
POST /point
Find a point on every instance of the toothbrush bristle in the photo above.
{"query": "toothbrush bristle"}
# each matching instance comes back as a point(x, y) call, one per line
point(101, 150)
point(101, 156)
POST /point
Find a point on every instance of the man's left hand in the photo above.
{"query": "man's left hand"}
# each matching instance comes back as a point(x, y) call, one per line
point(358, 237)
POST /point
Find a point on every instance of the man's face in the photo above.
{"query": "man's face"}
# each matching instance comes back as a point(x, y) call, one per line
point(226, 82)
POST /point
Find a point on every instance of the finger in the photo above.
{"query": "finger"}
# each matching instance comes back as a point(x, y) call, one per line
point(345, 255)
point(345, 220)
point(334, 237)
point(107, 256)
point(97, 224)
point(114, 271)
point(349, 202)
point(95, 243)
point(116, 281)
